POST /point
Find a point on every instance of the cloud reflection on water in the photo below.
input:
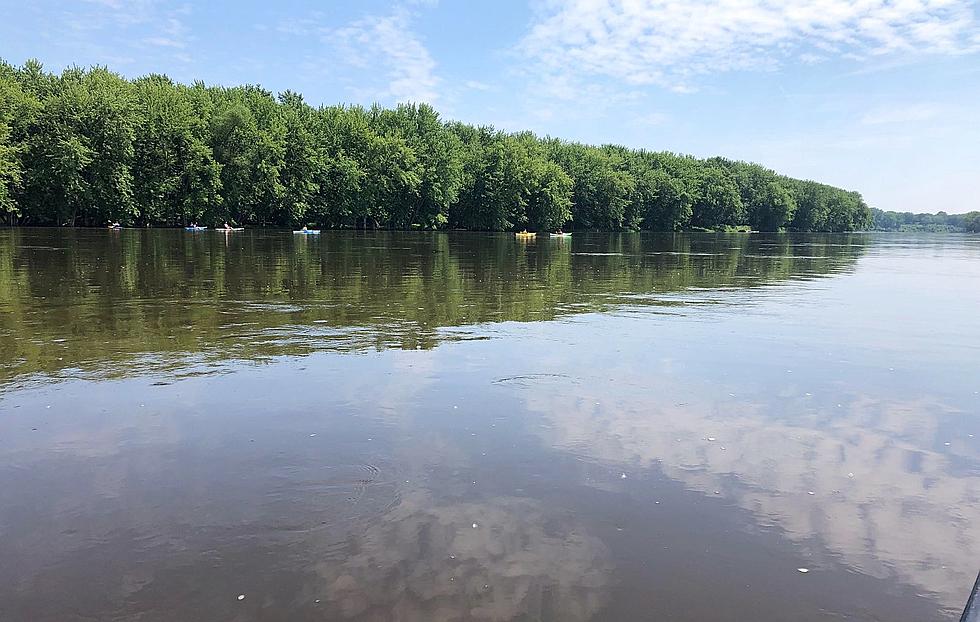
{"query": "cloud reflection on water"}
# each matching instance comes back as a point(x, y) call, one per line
point(887, 505)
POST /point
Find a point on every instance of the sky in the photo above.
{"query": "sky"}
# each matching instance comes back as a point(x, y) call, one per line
point(879, 96)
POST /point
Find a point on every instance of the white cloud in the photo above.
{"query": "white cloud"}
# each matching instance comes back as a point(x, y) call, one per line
point(476, 85)
point(97, 30)
point(651, 119)
point(164, 42)
point(900, 114)
point(809, 58)
point(670, 42)
point(387, 44)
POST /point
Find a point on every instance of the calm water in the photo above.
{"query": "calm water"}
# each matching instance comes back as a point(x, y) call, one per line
point(423, 426)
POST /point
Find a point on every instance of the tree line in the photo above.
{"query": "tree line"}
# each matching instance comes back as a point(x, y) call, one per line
point(938, 222)
point(86, 147)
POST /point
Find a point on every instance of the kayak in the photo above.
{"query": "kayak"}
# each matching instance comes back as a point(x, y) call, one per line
point(194, 228)
point(230, 229)
point(561, 235)
point(525, 234)
point(972, 611)
point(308, 231)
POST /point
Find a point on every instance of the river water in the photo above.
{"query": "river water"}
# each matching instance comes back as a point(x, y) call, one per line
point(429, 426)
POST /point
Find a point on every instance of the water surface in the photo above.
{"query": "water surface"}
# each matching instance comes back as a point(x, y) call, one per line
point(415, 426)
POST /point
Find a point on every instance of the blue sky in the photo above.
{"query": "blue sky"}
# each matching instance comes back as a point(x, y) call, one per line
point(879, 96)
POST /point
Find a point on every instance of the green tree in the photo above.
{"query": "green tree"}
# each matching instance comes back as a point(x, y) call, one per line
point(662, 201)
point(717, 203)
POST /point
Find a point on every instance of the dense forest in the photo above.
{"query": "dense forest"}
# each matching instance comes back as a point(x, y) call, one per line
point(939, 222)
point(87, 147)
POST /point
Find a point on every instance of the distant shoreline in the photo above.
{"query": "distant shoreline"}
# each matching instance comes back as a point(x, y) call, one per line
point(328, 230)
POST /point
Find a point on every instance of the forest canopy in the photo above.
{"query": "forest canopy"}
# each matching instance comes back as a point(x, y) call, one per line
point(87, 147)
point(940, 222)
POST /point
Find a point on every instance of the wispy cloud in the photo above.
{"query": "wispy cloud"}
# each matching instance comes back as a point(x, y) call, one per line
point(96, 31)
point(651, 119)
point(387, 45)
point(901, 114)
point(671, 42)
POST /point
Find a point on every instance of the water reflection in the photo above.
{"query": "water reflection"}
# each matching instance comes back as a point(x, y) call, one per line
point(638, 426)
point(885, 476)
point(106, 304)
point(501, 559)
point(890, 509)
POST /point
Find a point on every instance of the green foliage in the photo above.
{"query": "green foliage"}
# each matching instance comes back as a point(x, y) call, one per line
point(10, 169)
point(971, 222)
point(86, 147)
point(939, 222)
point(717, 202)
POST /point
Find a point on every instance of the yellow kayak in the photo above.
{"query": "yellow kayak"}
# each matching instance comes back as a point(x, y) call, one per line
point(525, 234)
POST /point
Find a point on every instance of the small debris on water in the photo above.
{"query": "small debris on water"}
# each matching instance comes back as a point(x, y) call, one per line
point(475, 525)
point(622, 476)
point(241, 597)
point(803, 570)
point(851, 475)
point(810, 492)
point(452, 557)
point(312, 435)
point(48, 406)
point(317, 601)
point(723, 448)
point(946, 444)
point(717, 492)
point(455, 406)
point(711, 439)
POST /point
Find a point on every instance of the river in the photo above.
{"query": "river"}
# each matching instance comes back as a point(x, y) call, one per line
point(460, 426)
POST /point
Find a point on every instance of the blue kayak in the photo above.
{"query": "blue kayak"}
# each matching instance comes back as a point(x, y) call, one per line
point(308, 231)
point(194, 228)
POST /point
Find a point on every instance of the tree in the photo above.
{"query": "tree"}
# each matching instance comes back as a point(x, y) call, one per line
point(663, 202)
point(717, 202)
point(86, 146)
point(771, 207)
